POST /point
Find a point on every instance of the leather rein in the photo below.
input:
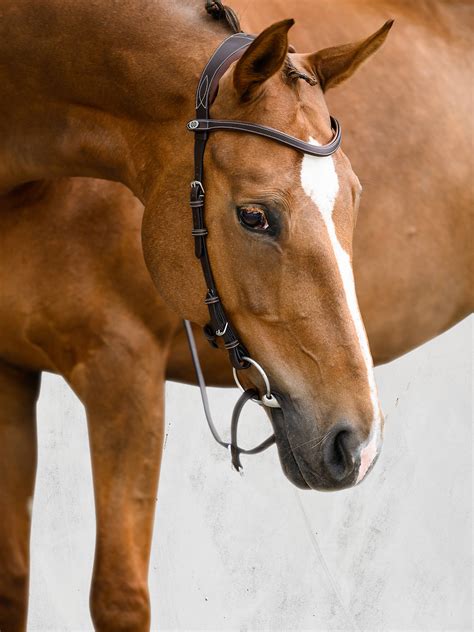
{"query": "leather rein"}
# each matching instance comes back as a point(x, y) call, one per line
point(229, 51)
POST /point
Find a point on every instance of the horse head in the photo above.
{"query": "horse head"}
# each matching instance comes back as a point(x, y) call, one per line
point(280, 227)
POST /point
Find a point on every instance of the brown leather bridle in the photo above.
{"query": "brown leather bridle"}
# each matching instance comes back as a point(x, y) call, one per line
point(230, 50)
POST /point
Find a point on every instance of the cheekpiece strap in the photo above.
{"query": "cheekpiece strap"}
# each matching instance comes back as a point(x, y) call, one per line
point(229, 51)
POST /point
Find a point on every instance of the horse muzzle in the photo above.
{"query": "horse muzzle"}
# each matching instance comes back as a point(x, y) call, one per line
point(327, 461)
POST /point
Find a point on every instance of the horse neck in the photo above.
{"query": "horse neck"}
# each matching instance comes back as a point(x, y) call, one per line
point(94, 88)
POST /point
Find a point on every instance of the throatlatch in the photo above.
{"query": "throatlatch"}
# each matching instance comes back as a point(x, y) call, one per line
point(229, 51)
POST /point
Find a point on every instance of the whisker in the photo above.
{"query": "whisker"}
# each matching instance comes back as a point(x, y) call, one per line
point(318, 441)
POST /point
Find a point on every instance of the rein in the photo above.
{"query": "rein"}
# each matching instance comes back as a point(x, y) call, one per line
point(229, 51)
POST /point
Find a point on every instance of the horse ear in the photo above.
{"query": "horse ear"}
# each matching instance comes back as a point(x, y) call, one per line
point(262, 59)
point(336, 64)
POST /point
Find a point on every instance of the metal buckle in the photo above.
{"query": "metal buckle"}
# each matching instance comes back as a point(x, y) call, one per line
point(196, 183)
point(193, 124)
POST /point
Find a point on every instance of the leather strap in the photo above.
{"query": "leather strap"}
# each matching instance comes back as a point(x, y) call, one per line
point(243, 399)
point(210, 125)
point(235, 451)
point(219, 326)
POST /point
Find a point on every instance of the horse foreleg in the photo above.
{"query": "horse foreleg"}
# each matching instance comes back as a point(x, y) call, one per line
point(18, 394)
point(122, 390)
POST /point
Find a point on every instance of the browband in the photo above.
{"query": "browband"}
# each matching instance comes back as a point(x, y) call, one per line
point(210, 125)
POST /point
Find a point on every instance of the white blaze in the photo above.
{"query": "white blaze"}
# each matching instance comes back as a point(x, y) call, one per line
point(320, 182)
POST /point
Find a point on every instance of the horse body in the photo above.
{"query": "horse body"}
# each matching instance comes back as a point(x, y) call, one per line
point(97, 319)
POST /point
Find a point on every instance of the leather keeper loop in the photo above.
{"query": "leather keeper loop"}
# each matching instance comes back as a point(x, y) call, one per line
point(196, 203)
point(232, 345)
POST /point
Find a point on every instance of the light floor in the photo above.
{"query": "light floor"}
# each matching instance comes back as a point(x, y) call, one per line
point(254, 553)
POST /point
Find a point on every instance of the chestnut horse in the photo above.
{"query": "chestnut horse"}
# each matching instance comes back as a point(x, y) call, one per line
point(83, 304)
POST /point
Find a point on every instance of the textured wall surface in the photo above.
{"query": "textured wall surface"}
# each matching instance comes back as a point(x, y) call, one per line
point(255, 553)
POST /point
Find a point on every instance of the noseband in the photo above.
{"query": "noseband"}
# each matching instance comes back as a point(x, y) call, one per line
point(229, 51)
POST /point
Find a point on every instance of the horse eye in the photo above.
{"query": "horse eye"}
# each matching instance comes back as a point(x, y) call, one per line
point(253, 217)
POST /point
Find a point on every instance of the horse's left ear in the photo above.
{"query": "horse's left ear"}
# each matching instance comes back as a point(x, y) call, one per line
point(263, 58)
point(336, 64)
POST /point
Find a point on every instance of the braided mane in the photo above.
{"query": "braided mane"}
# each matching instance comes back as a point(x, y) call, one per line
point(219, 11)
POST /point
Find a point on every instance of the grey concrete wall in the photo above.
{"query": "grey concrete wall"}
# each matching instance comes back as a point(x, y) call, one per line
point(255, 553)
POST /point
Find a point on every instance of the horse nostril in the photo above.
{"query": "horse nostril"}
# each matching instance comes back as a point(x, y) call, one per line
point(340, 450)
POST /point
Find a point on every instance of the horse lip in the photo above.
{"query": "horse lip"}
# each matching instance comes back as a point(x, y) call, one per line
point(289, 464)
